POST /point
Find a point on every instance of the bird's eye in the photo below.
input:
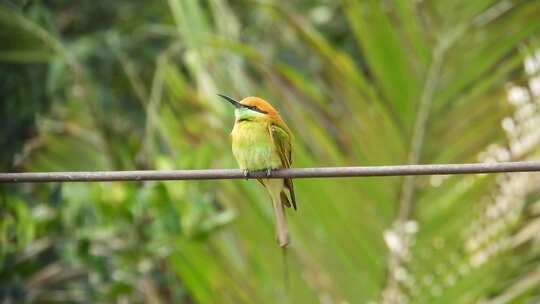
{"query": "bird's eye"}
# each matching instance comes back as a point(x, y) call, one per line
point(254, 108)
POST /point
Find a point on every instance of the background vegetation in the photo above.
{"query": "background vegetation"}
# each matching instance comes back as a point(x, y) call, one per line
point(96, 85)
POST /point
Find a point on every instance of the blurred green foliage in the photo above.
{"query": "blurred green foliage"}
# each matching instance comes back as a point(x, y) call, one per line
point(95, 85)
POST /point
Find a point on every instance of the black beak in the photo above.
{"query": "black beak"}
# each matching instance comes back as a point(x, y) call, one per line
point(233, 101)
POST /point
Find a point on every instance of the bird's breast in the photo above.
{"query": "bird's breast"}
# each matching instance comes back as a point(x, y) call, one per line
point(253, 147)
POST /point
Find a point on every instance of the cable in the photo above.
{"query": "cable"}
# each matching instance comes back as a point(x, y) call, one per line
point(442, 169)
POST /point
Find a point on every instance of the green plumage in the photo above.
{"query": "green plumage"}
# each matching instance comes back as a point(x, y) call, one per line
point(260, 140)
point(253, 146)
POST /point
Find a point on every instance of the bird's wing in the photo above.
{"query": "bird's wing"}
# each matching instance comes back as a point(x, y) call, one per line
point(282, 140)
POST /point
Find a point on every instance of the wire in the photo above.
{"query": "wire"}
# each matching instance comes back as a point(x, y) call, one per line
point(107, 176)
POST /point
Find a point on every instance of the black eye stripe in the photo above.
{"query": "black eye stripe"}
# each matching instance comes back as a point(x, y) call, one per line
point(254, 108)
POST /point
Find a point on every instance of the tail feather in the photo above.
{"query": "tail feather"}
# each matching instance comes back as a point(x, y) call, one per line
point(279, 201)
point(282, 230)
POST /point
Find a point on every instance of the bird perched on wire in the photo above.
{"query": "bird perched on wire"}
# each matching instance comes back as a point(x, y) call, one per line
point(262, 141)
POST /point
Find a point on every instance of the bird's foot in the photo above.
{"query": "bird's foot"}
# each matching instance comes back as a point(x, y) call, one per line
point(267, 172)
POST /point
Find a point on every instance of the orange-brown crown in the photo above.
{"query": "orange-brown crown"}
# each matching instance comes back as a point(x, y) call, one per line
point(261, 104)
point(266, 107)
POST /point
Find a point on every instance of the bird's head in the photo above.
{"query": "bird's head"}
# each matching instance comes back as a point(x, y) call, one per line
point(252, 109)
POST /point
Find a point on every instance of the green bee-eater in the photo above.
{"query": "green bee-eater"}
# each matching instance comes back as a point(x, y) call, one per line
point(262, 141)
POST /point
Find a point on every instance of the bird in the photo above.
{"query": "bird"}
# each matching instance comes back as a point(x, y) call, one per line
point(261, 141)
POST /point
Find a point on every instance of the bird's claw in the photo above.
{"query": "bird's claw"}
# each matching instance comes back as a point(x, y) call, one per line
point(267, 171)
